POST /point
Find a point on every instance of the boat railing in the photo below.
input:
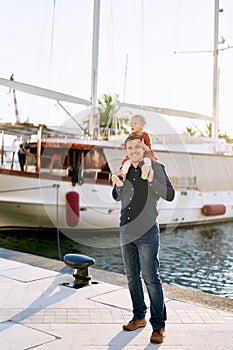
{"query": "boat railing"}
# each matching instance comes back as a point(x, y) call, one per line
point(107, 133)
point(58, 172)
point(185, 138)
point(13, 164)
point(95, 174)
point(184, 182)
point(54, 165)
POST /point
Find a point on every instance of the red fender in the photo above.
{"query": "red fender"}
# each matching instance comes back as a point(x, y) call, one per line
point(213, 209)
point(72, 208)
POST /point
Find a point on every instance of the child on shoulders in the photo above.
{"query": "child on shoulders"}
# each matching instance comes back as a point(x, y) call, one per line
point(138, 123)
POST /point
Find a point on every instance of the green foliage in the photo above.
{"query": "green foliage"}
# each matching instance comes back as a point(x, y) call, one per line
point(106, 110)
point(226, 137)
point(195, 131)
point(109, 122)
point(190, 131)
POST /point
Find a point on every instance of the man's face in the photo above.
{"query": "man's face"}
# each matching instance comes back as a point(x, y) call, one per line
point(134, 150)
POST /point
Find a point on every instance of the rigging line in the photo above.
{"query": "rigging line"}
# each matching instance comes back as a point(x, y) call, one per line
point(171, 86)
point(203, 51)
point(125, 77)
point(28, 188)
point(184, 52)
point(112, 47)
point(52, 39)
point(226, 48)
point(70, 116)
point(43, 37)
point(142, 47)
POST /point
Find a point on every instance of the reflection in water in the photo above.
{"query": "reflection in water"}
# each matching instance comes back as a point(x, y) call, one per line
point(200, 257)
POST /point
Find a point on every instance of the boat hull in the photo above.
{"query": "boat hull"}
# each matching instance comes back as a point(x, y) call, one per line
point(40, 202)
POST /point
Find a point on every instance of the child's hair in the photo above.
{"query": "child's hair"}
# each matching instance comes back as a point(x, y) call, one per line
point(140, 117)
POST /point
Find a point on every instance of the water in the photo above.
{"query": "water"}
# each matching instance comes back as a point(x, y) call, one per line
point(200, 258)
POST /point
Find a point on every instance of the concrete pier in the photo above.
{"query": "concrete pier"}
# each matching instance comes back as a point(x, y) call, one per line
point(38, 310)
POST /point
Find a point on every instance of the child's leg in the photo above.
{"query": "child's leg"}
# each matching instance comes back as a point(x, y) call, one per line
point(121, 175)
point(150, 175)
point(146, 168)
point(147, 161)
point(125, 167)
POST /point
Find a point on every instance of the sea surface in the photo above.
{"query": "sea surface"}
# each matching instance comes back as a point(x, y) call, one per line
point(199, 258)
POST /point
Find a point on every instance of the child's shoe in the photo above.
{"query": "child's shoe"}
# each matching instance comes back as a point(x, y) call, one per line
point(117, 181)
point(145, 172)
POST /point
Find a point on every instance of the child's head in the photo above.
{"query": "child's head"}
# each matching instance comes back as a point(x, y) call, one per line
point(138, 123)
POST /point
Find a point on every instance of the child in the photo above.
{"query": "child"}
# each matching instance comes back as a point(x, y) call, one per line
point(138, 123)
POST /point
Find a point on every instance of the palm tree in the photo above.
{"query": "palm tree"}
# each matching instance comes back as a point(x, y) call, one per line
point(190, 131)
point(195, 131)
point(109, 121)
point(106, 110)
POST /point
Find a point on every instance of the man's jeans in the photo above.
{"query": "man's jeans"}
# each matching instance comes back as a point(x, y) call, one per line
point(139, 256)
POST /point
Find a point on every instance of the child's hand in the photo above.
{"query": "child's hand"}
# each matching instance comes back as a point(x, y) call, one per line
point(145, 147)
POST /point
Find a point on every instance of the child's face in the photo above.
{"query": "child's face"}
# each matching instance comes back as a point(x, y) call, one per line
point(136, 125)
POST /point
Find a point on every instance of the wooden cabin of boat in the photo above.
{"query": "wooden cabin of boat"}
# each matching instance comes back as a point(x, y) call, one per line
point(54, 152)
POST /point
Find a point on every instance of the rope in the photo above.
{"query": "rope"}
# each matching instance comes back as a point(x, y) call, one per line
point(52, 39)
point(28, 189)
point(57, 222)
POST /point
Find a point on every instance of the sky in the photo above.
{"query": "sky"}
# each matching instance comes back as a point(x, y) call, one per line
point(151, 52)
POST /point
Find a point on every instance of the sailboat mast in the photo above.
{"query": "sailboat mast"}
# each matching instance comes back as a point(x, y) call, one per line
point(94, 117)
point(215, 106)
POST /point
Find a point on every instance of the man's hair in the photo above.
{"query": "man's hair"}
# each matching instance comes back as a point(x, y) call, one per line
point(133, 137)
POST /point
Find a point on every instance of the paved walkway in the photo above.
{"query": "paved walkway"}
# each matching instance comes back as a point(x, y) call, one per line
point(38, 312)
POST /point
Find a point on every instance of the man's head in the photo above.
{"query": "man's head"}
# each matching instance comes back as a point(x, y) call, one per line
point(134, 149)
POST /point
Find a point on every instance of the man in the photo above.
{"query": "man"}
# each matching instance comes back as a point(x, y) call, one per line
point(24, 150)
point(139, 234)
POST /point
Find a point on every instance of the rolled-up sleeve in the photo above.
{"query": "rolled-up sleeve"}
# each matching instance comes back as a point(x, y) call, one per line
point(116, 193)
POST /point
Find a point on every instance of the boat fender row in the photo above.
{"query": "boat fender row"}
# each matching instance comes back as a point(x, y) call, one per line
point(72, 208)
point(213, 209)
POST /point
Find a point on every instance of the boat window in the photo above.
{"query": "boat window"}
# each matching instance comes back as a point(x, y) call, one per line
point(95, 165)
point(114, 157)
point(53, 157)
point(95, 159)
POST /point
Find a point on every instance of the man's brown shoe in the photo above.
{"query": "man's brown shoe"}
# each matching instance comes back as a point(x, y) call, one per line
point(134, 324)
point(158, 336)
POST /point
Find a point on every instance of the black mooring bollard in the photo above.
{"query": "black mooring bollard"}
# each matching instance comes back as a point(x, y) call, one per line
point(80, 264)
